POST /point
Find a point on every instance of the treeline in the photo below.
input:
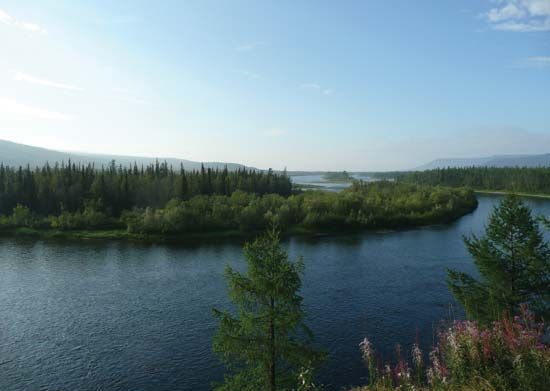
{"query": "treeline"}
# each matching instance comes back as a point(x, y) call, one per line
point(373, 205)
point(377, 205)
point(73, 188)
point(513, 179)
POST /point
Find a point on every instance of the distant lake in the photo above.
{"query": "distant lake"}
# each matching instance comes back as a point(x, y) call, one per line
point(95, 315)
point(318, 180)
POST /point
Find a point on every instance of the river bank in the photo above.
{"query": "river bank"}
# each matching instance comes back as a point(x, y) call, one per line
point(298, 230)
point(500, 192)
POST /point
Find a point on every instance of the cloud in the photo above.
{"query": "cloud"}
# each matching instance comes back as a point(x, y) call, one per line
point(317, 87)
point(10, 106)
point(7, 19)
point(520, 15)
point(537, 61)
point(248, 46)
point(25, 77)
point(311, 86)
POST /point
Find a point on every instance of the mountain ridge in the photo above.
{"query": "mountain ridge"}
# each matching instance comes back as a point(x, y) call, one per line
point(16, 154)
point(540, 160)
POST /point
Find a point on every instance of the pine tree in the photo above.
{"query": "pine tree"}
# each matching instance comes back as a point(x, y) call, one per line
point(266, 344)
point(513, 262)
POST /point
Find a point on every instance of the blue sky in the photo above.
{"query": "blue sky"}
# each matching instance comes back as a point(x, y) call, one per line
point(316, 85)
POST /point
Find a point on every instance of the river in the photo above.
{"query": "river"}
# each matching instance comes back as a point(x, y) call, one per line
point(96, 315)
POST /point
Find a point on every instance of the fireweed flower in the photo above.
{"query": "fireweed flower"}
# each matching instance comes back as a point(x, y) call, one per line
point(467, 350)
point(416, 355)
point(366, 348)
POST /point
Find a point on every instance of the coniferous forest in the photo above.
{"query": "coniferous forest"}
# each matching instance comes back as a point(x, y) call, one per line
point(507, 179)
point(67, 187)
point(158, 200)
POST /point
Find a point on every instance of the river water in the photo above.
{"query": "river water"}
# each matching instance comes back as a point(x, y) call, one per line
point(94, 315)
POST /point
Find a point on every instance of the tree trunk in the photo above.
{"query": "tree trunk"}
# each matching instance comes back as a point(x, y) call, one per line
point(272, 382)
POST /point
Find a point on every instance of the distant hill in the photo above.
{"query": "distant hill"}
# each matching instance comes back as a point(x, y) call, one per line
point(491, 161)
point(13, 154)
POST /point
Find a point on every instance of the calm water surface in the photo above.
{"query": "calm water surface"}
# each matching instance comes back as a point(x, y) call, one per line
point(120, 316)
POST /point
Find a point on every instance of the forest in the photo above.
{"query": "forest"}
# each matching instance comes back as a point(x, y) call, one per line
point(333, 176)
point(70, 187)
point(507, 179)
point(156, 200)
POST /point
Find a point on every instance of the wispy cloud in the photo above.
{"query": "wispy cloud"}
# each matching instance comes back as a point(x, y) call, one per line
point(9, 20)
point(317, 87)
point(10, 106)
point(537, 61)
point(311, 86)
point(248, 46)
point(25, 77)
point(520, 15)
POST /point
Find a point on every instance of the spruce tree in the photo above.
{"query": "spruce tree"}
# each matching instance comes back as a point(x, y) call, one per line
point(513, 262)
point(266, 344)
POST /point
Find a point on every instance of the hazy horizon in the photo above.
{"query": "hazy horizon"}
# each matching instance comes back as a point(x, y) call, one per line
point(365, 86)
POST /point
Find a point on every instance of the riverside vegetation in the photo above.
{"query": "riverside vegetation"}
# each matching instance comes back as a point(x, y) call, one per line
point(499, 348)
point(160, 203)
point(502, 179)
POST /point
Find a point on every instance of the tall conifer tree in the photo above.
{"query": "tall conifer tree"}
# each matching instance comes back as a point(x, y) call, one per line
point(513, 262)
point(265, 344)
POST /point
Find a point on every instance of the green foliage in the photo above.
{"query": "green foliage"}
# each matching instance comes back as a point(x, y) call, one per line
point(21, 216)
point(513, 262)
point(507, 355)
point(265, 345)
point(375, 205)
point(68, 188)
point(158, 201)
point(509, 179)
point(331, 176)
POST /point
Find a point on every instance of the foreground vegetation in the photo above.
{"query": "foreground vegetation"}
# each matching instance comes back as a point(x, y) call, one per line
point(506, 179)
point(507, 355)
point(90, 204)
point(265, 345)
point(502, 346)
point(514, 266)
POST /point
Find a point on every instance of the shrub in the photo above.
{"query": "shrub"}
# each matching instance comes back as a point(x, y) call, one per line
point(509, 355)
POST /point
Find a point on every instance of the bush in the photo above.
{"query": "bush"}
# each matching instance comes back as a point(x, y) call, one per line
point(510, 355)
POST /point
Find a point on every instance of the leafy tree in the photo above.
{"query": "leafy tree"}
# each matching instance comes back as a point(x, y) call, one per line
point(266, 345)
point(513, 262)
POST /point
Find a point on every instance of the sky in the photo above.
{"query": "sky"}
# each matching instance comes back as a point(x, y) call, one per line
point(308, 85)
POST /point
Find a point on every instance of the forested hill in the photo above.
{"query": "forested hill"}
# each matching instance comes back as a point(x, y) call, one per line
point(491, 161)
point(508, 179)
point(15, 155)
